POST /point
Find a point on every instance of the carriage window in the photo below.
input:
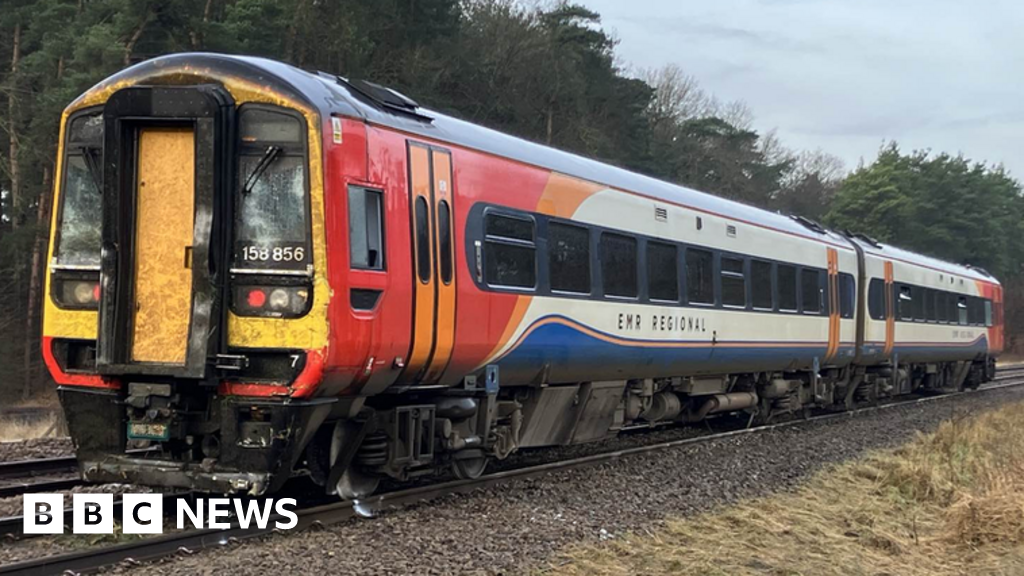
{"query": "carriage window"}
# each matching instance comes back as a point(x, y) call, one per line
point(511, 254)
point(787, 287)
point(961, 307)
point(941, 307)
point(988, 312)
point(876, 299)
point(847, 296)
point(920, 296)
point(510, 228)
point(975, 311)
point(365, 228)
point(810, 287)
point(444, 240)
point(761, 284)
point(906, 303)
point(663, 271)
point(569, 258)
point(422, 239)
point(734, 283)
point(81, 211)
point(618, 265)
point(700, 287)
point(273, 208)
point(929, 305)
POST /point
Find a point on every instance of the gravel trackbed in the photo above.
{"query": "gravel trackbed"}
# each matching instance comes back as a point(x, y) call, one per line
point(522, 525)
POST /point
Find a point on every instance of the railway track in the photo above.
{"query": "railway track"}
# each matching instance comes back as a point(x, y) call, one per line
point(1009, 373)
point(191, 541)
point(22, 476)
point(36, 467)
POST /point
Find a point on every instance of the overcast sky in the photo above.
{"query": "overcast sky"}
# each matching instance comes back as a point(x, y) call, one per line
point(844, 75)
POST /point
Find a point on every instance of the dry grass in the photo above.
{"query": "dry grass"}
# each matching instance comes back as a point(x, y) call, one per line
point(10, 431)
point(951, 502)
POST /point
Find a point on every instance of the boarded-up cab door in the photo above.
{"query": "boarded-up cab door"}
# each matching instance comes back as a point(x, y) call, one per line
point(166, 202)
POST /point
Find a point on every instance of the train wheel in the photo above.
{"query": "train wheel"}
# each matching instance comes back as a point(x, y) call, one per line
point(355, 484)
point(469, 468)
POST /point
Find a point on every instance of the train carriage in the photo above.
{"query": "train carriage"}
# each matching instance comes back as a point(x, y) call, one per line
point(266, 272)
point(925, 313)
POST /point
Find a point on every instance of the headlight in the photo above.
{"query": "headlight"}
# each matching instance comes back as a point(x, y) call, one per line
point(76, 293)
point(279, 299)
point(273, 301)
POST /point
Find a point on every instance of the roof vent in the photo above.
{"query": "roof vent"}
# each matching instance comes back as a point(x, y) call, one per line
point(384, 95)
point(980, 270)
point(863, 237)
point(809, 224)
point(730, 231)
point(660, 214)
point(380, 96)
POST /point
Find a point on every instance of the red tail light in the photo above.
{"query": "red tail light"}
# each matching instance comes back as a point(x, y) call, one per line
point(256, 298)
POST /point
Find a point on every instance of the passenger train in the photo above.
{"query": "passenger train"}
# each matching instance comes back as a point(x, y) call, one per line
point(264, 273)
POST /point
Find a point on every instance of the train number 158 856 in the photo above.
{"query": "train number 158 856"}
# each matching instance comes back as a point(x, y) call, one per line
point(273, 254)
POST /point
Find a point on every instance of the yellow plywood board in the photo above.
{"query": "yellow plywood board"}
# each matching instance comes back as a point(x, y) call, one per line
point(165, 208)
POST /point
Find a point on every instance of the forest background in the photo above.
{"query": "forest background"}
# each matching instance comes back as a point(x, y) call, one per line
point(545, 72)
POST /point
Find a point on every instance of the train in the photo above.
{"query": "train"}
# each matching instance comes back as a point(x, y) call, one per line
point(261, 273)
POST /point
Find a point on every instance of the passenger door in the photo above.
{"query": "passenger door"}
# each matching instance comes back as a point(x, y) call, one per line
point(833, 305)
point(890, 310)
point(431, 196)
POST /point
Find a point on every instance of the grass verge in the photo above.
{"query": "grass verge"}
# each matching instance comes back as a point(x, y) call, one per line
point(12, 430)
point(950, 502)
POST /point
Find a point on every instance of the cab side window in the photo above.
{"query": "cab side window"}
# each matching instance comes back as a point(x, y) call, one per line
point(366, 228)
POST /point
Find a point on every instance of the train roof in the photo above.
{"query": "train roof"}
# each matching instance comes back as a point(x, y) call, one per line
point(381, 106)
point(890, 252)
point(336, 95)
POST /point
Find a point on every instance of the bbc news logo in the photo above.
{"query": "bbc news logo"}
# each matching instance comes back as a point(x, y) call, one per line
point(144, 513)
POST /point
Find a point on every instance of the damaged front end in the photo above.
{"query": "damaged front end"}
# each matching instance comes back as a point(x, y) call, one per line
point(186, 437)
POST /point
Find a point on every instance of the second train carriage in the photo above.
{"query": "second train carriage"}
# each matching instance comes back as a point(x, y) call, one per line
point(266, 272)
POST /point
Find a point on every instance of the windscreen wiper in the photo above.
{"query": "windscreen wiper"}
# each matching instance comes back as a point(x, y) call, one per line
point(90, 154)
point(268, 158)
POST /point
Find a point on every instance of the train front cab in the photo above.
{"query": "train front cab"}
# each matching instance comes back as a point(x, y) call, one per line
point(187, 305)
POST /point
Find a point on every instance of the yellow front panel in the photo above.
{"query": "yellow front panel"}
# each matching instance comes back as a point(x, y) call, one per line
point(309, 332)
point(165, 203)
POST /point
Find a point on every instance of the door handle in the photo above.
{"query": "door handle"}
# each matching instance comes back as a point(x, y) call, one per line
point(188, 257)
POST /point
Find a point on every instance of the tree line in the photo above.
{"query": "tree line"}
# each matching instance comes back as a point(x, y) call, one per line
point(548, 74)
